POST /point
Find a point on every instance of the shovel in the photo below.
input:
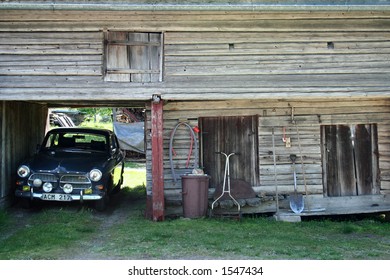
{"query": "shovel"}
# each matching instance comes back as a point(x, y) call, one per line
point(296, 199)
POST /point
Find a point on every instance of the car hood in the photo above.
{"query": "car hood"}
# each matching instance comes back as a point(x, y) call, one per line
point(67, 161)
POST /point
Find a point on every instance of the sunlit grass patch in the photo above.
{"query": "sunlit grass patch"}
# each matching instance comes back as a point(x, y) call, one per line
point(134, 175)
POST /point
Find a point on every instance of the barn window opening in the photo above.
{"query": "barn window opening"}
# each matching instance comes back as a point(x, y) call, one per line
point(350, 159)
point(133, 57)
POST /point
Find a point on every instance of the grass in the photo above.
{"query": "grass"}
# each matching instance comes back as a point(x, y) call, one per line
point(253, 238)
point(92, 124)
point(4, 220)
point(134, 175)
point(49, 233)
point(65, 233)
point(56, 233)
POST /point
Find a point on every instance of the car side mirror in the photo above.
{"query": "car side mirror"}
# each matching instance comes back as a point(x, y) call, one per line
point(38, 148)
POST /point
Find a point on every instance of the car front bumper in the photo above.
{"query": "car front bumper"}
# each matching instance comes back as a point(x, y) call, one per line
point(54, 196)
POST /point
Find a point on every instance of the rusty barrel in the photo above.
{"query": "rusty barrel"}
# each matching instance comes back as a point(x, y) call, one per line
point(195, 189)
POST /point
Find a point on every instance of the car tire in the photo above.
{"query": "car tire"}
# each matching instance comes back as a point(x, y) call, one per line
point(123, 171)
point(26, 203)
point(114, 189)
point(101, 204)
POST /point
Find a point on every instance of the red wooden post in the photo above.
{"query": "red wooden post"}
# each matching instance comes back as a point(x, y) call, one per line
point(157, 160)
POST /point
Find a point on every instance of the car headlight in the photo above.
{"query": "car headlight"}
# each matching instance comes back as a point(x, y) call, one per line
point(95, 175)
point(23, 171)
point(47, 187)
point(67, 188)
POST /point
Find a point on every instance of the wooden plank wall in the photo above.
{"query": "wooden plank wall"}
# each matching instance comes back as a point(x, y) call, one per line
point(181, 145)
point(22, 127)
point(309, 134)
point(340, 58)
point(182, 21)
point(260, 64)
point(288, 63)
point(51, 53)
point(308, 117)
point(224, 54)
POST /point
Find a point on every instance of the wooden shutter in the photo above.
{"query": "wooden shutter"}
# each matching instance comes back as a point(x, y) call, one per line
point(116, 57)
point(366, 151)
point(349, 160)
point(133, 57)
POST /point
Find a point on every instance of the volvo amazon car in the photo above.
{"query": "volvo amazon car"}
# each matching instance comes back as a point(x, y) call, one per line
point(72, 164)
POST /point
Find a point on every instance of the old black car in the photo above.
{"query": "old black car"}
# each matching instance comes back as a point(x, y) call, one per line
point(81, 164)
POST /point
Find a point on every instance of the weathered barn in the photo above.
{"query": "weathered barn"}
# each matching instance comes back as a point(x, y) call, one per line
point(266, 79)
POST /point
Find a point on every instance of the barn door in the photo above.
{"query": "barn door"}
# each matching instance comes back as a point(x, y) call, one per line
point(230, 134)
point(350, 162)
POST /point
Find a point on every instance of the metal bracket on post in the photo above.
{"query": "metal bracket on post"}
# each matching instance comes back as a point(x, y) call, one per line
point(156, 98)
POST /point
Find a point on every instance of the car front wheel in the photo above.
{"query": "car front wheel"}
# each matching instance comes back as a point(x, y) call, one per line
point(26, 203)
point(102, 203)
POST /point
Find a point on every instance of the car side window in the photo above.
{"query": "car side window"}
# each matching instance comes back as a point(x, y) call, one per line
point(117, 142)
point(52, 141)
point(114, 143)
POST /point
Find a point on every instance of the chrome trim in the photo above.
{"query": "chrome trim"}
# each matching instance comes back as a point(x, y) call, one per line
point(78, 181)
point(45, 177)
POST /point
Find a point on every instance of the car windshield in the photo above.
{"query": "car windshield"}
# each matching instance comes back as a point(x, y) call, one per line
point(76, 140)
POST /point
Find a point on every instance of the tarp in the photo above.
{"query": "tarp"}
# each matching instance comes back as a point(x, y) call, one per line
point(130, 136)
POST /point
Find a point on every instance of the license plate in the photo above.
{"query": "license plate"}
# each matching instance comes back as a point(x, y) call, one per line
point(56, 197)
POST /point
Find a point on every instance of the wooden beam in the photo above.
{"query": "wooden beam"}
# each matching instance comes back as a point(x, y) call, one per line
point(3, 149)
point(157, 160)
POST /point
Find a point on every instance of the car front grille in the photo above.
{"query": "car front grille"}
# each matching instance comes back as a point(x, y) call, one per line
point(77, 181)
point(45, 177)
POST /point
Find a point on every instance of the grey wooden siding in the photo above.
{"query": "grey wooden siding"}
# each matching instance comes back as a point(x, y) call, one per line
point(262, 63)
point(51, 53)
point(22, 127)
point(309, 116)
point(332, 67)
point(209, 55)
point(309, 130)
